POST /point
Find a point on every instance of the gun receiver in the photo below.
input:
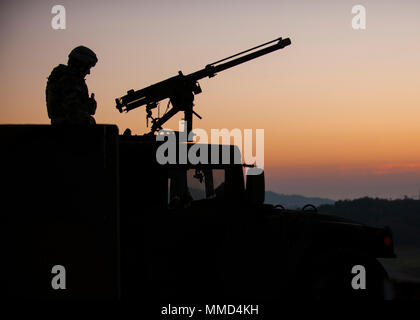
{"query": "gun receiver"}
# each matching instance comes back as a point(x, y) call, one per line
point(181, 88)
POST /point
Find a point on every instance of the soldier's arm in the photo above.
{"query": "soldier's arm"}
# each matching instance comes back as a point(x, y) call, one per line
point(92, 104)
point(75, 101)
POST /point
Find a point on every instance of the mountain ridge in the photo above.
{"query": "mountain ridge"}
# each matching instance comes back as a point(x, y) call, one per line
point(294, 201)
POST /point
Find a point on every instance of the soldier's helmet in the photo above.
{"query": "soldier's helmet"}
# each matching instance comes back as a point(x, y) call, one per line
point(83, 55)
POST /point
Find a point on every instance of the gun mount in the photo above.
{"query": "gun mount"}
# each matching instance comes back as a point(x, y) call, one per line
point(181, 89)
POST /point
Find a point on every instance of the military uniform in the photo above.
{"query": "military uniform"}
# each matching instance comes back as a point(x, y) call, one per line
point(68, 99)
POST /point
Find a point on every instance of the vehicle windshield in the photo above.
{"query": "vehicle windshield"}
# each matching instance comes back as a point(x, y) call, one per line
point(195, 184)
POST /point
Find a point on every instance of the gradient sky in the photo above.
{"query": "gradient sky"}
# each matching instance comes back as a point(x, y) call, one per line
point(340, 107)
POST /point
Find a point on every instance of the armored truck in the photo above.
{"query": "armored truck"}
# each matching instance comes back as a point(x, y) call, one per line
point(91, 214)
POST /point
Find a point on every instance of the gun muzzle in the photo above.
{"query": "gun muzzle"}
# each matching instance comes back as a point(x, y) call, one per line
point(286, 42)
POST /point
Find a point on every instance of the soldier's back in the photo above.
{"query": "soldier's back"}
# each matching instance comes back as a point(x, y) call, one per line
point(67, 97)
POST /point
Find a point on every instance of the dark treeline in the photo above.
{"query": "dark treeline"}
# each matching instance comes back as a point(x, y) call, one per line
point(402, 215)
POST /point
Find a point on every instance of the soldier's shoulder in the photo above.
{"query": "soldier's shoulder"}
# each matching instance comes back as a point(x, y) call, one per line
point(60, 69)
point(58, 73)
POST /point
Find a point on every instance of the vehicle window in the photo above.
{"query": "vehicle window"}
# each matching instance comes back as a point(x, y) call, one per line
point(195, 183)
point(206, 183)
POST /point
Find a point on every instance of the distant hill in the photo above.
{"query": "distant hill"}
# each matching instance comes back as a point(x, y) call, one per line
point(288, 201)
point(294, 201)
point(403, 216)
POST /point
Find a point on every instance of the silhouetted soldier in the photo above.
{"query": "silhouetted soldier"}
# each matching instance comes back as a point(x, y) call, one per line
point(68, 101)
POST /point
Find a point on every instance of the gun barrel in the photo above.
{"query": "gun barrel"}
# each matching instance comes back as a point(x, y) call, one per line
point(173, 86)
point(280, 45)
point(211, 69)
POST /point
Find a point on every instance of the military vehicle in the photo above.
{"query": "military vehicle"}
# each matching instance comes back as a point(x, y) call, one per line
point(92, 214)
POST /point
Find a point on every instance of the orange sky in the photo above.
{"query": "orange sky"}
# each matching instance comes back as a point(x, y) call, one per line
point(340, 107)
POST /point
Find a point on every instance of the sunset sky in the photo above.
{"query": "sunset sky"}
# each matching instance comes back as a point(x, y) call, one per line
point(340, 107)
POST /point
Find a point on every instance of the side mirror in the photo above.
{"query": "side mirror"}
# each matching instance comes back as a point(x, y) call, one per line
point(255, 186)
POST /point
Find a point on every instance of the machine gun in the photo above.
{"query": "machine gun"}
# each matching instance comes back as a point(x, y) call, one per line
point(181, 89)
